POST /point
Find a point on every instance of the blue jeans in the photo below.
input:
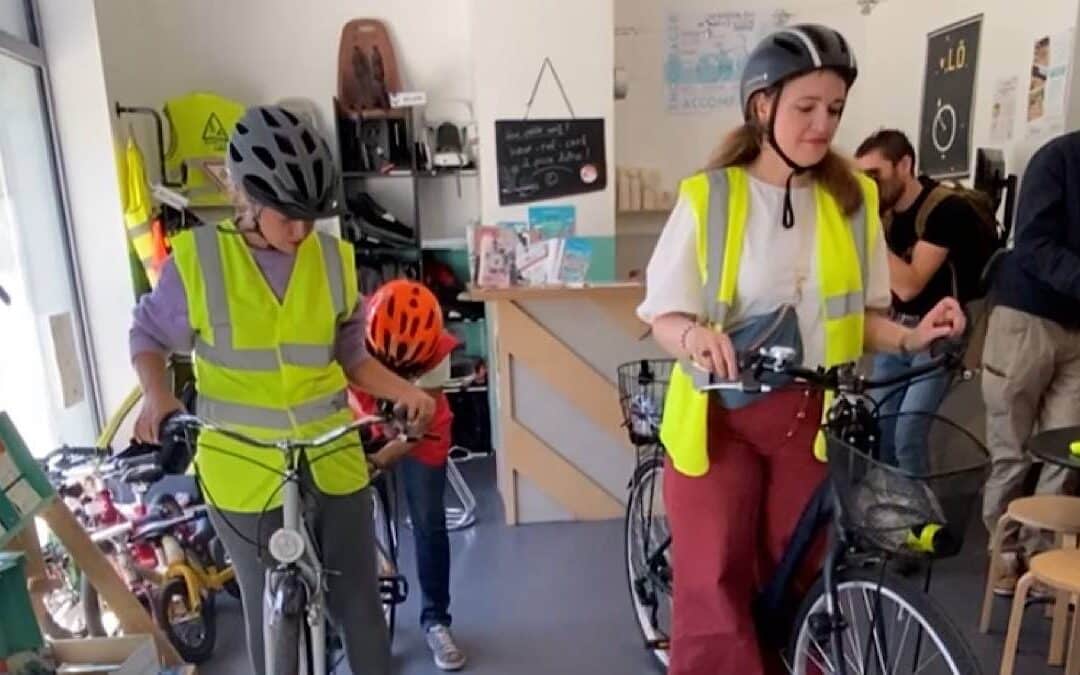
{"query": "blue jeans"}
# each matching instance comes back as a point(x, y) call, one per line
point(425, 487)
point(904, 437)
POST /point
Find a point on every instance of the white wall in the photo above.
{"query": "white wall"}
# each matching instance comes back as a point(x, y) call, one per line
point(897, 30)
point(890, 45)
point(259, 51)
point(81, 107)
point(510, 40)
point(647, 135)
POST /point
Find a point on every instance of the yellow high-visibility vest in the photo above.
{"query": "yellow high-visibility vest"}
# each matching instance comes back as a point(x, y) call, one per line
point(200, 125)
point(267, 368)
point(138, 209)
point(720, 201)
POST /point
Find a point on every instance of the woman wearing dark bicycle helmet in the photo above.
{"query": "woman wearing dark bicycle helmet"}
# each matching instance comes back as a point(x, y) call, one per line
point(269, 311)
point(776, 220)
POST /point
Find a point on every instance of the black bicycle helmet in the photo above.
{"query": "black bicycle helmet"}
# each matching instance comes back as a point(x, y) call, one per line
point(795, 51)
point(786, 54)
point(280, 161)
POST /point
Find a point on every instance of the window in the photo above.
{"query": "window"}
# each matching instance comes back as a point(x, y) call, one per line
point(44, 381)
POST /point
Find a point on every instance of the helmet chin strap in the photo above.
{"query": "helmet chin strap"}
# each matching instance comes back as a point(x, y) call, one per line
point(788, 220)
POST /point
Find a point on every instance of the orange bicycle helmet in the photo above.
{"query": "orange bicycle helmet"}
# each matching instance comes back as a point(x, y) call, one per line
point(404, 323)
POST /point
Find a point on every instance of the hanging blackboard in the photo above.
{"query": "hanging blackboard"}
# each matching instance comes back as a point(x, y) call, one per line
point(544, 159)
point(948, 95)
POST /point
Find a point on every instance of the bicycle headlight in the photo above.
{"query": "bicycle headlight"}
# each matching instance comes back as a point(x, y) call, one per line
point(287, 546)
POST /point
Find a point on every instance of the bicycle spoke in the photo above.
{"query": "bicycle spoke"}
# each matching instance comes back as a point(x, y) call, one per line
point(937, 655)
point(853, 633)
point(828, 661)
point(903, 637)
point(877, 647)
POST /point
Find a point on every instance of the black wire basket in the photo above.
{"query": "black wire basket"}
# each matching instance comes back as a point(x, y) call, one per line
point(908, 515)
point(642, 388)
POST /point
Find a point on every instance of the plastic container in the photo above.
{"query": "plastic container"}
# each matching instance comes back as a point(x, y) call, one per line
point(19, 631)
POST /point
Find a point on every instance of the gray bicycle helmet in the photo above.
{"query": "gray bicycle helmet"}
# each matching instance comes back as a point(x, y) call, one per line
point(793, 51)
point(281, 162)
point(783, 55)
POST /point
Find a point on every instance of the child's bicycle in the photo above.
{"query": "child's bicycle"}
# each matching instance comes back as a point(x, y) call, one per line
point(296, 628)
point(858, 617)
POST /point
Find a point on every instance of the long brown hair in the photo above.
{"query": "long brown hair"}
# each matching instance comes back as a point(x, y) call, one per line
point(743, 145)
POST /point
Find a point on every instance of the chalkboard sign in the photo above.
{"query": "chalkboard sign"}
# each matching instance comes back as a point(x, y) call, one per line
point(543, 159)
point(948, 95)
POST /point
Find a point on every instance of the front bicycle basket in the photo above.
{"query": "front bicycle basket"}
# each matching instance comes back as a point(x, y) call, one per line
point(642, 387)
point(899, 513)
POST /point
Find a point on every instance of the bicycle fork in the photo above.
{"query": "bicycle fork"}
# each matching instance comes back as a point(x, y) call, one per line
point(294, 588)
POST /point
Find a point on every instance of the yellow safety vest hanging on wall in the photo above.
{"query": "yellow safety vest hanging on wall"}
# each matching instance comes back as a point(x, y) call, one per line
point(138, 209)
point(200, 125)
point(720, 201)
point(266, 368)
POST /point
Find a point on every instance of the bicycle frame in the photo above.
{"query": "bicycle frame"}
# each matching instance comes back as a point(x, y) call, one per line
point(307, 565)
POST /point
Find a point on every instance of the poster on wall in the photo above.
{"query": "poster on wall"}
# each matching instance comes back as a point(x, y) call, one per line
point(1050, 65)
point(948, 97)
point(704, 53)
point(1003, 114)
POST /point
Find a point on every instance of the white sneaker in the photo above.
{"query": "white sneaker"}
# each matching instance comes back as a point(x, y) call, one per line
point(446, 652)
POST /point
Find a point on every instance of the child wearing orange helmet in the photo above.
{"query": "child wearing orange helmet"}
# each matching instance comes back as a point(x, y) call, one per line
point(404, 331)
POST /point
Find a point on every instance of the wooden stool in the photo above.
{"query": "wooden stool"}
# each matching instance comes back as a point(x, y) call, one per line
point(1061, 571)
point(1057, 513)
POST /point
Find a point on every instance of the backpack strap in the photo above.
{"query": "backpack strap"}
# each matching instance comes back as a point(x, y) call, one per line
point(937, 195)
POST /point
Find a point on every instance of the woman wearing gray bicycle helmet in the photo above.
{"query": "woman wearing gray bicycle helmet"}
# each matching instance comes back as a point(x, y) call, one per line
point(776, 221)
point(269, 310)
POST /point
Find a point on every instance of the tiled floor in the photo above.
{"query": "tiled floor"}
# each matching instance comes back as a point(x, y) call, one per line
point(553, 599)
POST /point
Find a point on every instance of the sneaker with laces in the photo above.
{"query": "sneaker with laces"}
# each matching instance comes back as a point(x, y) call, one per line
point(448, 656)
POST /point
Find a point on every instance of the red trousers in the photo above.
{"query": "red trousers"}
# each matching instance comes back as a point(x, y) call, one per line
point(730, 527)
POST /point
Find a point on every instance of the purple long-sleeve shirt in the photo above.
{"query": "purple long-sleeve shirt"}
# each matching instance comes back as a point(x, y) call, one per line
point(161, 321)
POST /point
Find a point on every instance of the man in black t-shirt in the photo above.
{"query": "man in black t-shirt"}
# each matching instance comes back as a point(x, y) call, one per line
point(924, 267)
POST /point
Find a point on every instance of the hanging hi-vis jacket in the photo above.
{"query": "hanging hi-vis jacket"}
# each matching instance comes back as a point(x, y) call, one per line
point(266, 367)
point(720, 201)
point(147, 241)
point(200, 125)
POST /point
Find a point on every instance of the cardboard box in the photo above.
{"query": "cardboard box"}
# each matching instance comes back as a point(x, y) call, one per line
point(128, 655)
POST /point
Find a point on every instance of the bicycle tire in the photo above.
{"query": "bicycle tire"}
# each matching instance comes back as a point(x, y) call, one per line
point(284, 633)
point(200, 651)
point(644, 478)
point(385, 547)
point(940, 630)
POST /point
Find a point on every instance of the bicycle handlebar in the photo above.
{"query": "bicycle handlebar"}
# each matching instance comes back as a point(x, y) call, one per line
point(186, 422)
point(840, 378)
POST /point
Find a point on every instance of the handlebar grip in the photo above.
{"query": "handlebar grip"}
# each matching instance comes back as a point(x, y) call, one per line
point(951, 348)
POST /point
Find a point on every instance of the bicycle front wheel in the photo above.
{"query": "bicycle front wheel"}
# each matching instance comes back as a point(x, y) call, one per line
point(648, 558)
point(889, 627)
point(386, 550)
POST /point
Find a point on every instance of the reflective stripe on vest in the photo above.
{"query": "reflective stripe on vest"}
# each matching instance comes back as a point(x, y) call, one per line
point(720, 203)
point(221, 352)
point(265, 365)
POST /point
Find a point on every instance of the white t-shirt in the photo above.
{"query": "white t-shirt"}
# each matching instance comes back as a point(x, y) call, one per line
point(778, 267)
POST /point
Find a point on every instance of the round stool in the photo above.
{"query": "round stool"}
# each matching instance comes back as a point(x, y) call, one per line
point(1056, 513)
point(1059, 570)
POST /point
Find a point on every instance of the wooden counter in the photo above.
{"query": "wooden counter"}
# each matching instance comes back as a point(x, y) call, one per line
point(561, 450)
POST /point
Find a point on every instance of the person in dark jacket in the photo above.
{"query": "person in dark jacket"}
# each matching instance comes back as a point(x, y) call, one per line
point(1031, 362)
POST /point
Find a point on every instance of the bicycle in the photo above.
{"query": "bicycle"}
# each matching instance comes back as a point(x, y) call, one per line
point(296, 626)
point(165, 550)
point(874, 513)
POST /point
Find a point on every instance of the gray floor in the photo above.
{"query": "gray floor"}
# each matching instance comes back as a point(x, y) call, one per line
point(552, 599)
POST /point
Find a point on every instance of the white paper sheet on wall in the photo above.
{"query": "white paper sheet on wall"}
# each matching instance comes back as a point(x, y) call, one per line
point(1003, 115)
point(704, 54)
point(1051, 64)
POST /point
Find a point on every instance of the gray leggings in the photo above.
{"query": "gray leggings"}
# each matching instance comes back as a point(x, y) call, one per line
point(344, 531)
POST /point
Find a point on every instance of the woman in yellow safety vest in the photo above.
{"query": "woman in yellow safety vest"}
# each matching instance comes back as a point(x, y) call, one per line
point(270, 312)
point(777, 219)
